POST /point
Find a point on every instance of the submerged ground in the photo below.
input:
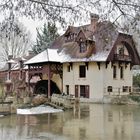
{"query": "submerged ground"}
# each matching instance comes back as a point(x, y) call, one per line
point(84, 122)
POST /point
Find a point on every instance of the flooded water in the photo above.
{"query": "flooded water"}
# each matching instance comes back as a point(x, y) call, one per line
point(85, 122)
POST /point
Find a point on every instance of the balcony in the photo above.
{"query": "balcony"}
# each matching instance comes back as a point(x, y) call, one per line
point(123, 57)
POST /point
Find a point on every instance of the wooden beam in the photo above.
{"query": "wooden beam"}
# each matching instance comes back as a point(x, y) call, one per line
point(71, 65)
point(29, 78)
point(98, 63)
point(86, 65)
point(107, 62)
point(49, 82)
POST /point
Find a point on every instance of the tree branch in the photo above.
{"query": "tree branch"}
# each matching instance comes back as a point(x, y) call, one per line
point(50, 5)
point(127, 4)
point(117, 5)
point(5, 3)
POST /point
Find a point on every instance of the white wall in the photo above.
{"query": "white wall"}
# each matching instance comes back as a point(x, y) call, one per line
point(93, 79)
point(98, 80)
point(118, 82)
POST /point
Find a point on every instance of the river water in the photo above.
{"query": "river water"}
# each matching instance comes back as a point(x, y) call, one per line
point(84, 122)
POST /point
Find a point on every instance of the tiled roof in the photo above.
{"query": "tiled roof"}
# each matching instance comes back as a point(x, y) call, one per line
point(102, 39)
point(15, 62)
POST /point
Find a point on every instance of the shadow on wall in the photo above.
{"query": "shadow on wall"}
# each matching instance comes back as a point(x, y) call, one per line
point(41, 87)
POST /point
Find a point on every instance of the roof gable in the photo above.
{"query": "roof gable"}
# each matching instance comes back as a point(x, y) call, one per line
point(49, 55)
point(126, 40)
point(102, 42)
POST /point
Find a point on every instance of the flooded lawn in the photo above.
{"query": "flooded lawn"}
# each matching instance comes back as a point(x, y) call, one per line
point(85, 122)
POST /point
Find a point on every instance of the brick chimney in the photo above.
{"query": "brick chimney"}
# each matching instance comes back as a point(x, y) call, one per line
point(94, 20)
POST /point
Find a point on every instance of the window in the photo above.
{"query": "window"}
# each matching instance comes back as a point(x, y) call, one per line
point(84, 91)
point(125, 89)
point(82, 71)
point(121, 51)
point(129, 89)
point(83, 46)
point(67, 89)
point(114, 72)
point(121, 72)
point(71, 36)
point(109, 88)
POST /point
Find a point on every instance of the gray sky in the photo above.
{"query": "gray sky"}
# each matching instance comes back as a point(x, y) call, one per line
point(32, 25)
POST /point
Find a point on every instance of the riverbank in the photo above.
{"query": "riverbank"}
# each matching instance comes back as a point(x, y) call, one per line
point(123, 99)
point(61, 102)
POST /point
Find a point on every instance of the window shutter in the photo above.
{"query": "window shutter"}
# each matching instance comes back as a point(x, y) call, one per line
point(76, 91)
point(87, 91)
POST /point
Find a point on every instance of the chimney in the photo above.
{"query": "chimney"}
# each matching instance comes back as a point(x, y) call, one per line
point(94, 20)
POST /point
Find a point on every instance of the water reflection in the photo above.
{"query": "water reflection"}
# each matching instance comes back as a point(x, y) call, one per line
point(84, 122)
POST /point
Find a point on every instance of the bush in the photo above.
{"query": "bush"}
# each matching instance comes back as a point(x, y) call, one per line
point(135, 98)
point(136, 80)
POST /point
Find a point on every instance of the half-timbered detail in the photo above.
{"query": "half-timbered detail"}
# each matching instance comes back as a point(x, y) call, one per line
point(46, 70)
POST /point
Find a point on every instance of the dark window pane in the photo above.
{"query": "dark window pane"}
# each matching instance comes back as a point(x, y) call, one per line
point(114, 72)
point(82, 71)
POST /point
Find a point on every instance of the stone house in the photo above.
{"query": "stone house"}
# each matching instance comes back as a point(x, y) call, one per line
point(88, 61)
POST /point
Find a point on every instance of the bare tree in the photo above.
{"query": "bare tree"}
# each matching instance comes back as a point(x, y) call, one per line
point(61, 10)
point(66, 11)
point(14, 39)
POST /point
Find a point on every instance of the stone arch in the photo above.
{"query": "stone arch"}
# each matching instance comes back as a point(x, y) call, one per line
point(41, 87)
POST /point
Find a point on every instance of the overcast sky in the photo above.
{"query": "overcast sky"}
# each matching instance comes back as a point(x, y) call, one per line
point(32, 25)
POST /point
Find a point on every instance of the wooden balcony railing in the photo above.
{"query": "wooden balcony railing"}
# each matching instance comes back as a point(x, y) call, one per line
point(122, 57)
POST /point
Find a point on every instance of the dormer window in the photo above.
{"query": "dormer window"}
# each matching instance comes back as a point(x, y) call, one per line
point(69, 37)
point(82, 45)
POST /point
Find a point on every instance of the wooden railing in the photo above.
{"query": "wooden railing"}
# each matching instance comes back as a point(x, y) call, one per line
point(122, 57)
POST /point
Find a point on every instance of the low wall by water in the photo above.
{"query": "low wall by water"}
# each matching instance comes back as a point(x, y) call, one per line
point(123, 99)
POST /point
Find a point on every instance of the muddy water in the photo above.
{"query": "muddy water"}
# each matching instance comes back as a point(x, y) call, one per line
point(85, 122)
